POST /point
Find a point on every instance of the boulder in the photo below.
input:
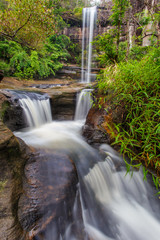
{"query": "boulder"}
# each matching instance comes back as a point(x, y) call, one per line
point(49, 192)
point(13, 156)
point(63, 106)
point(10, 112)
point(99, 126)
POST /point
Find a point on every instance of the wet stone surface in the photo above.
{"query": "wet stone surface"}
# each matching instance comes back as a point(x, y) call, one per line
point(49, 184)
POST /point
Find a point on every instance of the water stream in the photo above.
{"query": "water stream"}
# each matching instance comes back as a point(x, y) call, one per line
point(114, 206)
point(36, 107)
point(84, 103)
point(89, 25)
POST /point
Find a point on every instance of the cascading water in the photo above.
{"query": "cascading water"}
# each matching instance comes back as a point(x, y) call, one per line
point(114, 206)
point(36, 107)
point(89, 24)
point(84, 103)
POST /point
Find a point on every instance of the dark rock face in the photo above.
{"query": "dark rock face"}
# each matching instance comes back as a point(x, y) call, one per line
point(104, 23)
point(11, 113)
point(99, 127)
point(63, 106)
point(93, 132)
point(49, 185)
point(13, 156)
point(14, 118)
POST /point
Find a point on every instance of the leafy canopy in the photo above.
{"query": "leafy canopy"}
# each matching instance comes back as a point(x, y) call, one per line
point(29, 22)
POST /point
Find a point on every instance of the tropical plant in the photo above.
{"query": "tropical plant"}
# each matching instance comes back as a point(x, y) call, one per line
point(118, 14)
point(25, 63)
point(136, 84)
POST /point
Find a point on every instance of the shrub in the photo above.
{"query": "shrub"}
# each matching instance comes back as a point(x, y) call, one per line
point(26, 63)
point(137, 85)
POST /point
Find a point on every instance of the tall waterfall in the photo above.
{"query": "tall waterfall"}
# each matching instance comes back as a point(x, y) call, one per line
point(36, 107)
point(84, 102)
point(89, 24)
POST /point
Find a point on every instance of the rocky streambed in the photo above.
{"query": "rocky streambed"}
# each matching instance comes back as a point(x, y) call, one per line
point(26, 192)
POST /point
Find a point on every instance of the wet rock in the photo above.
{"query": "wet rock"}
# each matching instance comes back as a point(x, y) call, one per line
point(35, 188)
point(99, 127)
point(11, 113)
point(93, 130)
point(1, 75)
point(49, 186)
point(13, 156)
point(63, 106)
point(71, 72)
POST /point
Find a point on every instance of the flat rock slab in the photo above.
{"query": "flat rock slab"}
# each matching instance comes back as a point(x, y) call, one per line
point(49, 185)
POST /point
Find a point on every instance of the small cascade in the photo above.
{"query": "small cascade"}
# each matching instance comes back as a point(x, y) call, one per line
point(36, 107)
point(84, 103)
point(109, 205)
point(114, 206)
point(89, 25)
point(124, 199)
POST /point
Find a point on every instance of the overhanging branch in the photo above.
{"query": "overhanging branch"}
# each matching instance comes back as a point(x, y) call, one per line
point(22, 26)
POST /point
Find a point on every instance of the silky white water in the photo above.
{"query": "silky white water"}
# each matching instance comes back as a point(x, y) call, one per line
point(36, 107)
point(114, 206)
point(37, 111)
point(84, 103)
point(89, 25)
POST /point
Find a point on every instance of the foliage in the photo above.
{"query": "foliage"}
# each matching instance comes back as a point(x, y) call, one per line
point(118, 14)
point(118, 11)
point(136, 84)
point(28, 22)
point(25, 63)
point(3, 5)
point(78, 12)
point(105, 48)
point(107, 51)
point(138, 52)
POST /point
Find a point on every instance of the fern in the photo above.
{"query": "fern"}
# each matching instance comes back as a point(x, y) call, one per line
point(26, 63)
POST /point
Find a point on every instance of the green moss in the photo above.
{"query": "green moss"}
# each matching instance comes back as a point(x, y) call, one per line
point(4, 109)
point(2, 185)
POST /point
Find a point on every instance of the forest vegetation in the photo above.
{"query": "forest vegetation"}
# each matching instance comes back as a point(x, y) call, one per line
point(31, 40)
point(133, 76)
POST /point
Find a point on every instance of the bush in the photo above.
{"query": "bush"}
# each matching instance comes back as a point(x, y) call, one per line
point(25, 63)
point(5, 67)
point(138, 52)
point(107, 51)
point(137, 85)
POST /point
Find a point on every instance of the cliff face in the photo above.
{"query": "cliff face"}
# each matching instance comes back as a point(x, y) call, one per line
point(104, 24)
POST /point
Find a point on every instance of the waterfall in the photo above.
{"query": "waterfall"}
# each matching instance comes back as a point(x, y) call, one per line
point(114, 206)
point(89, 24)
point(36, 107)
point(84, 102)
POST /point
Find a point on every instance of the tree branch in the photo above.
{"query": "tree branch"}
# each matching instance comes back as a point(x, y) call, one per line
point(150, 34)
point(22, 26)
point(22, 43)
